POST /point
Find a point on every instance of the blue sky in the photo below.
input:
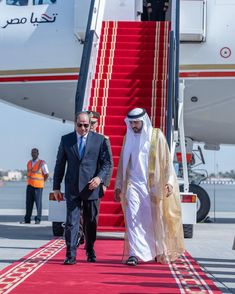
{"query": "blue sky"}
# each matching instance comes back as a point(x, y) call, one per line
point(22, 130)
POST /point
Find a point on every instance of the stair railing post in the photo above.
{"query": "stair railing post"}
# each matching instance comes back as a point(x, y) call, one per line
point(83, 73)
point(170, 90)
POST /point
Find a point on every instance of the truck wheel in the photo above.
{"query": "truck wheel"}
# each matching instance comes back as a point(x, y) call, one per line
point(203, 201)
point(188, 231)
point(57, 229)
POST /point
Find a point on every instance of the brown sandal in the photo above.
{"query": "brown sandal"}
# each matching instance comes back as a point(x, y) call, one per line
point(162, 258)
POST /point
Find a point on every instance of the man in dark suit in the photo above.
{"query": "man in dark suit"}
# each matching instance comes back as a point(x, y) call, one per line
point(88, 165)
point(94, 116)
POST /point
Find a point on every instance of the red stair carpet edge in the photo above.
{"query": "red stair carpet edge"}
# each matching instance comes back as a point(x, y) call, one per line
point(43, 272)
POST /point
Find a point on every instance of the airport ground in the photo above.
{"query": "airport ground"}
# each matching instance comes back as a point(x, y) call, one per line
point(211, 245)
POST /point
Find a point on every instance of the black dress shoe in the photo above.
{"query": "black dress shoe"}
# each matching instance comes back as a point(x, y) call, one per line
point(37, 222)
point(91, 256)
point(69, 261)
point(82, 240)
point(24, 222)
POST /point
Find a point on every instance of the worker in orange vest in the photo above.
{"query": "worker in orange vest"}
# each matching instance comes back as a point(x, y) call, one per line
point(37, 174)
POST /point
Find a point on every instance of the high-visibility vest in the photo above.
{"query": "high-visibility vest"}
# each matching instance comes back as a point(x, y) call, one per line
point(35, 177)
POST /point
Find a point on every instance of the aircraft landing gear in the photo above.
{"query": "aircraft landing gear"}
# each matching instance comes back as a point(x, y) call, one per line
point(203, 202)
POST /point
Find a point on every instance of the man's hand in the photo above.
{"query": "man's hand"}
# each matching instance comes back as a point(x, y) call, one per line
point(169, 190)
point(58, 195)
point(117, 197)
point(94, 183)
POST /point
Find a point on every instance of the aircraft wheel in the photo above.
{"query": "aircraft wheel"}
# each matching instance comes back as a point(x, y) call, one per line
point(203, 201)
point(57, 229)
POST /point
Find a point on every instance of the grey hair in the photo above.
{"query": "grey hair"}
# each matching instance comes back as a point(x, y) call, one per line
point(82, 112)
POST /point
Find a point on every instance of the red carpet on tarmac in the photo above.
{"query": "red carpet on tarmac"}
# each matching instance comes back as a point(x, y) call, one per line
point(43, 271)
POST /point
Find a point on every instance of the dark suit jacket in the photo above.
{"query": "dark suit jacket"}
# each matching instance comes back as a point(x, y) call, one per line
point(107, 179)
point(97, 161)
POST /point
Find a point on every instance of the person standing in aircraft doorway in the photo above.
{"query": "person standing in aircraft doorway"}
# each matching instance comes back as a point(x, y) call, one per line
point(40, 2)
point(155, 10)
point(17, 2)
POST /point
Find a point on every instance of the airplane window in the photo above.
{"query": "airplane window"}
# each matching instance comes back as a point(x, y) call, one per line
point(17, 2)
point(40, 2)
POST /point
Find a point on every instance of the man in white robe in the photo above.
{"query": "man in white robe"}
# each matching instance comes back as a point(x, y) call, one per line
point(147, 187)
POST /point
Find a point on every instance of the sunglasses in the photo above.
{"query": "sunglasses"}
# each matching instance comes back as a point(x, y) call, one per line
point(83, 125)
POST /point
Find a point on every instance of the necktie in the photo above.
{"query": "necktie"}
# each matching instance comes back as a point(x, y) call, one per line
point(81, 147)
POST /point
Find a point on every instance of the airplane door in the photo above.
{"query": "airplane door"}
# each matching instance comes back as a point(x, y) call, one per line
point(192, 20)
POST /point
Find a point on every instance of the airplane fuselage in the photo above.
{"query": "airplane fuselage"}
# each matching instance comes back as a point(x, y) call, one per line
point(41, 54)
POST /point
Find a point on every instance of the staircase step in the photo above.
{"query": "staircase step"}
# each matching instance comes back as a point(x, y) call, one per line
point(123, 53)
point(137, 24)
point(124, 101)
point(134, 45)
point(110, 207)
point(116, 158)
point(136, 31)
point(146, 60)
point(115, 220)
point(121, 130)
point(126, 92)
point(119, 120)
point(121, 111)
point(133, 38)
point(113, 129)
point(116, 150)
point(131, 52)
point(116, 140)
point(128, 83)
point(133, 69)
point(131, 75)
point(110, 229)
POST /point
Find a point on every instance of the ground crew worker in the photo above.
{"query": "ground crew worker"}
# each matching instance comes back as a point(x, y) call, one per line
point(37, 174)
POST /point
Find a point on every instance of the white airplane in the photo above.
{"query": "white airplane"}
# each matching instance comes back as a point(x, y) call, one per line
point(42, 44)
point(41, 52)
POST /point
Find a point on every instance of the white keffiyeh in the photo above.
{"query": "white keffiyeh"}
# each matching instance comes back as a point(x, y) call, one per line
point(137, 114)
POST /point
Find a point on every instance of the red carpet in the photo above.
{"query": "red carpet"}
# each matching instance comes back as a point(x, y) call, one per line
point(131, 71)
point(43, 272)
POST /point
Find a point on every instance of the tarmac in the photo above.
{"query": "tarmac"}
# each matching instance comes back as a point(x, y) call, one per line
point(211, 245)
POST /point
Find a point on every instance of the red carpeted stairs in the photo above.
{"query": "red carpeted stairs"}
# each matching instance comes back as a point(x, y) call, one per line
point(131, 72)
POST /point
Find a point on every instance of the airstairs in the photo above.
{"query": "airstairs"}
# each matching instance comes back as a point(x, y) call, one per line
point(131, 71)
point(128, 64)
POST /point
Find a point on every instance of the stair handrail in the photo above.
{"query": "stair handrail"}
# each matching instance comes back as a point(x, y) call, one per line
point(173, 74)
point(177, 110)
point(89, 54)
point(170, 92)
